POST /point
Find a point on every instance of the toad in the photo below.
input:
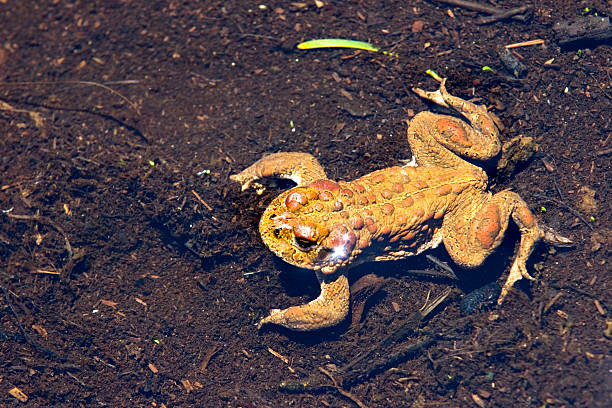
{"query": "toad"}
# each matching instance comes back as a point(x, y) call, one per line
point(438, 197)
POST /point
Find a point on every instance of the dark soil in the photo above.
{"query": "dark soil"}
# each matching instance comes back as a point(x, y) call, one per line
point(131, 270)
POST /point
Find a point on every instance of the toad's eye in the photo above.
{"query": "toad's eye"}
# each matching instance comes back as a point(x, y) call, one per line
point(304, 244)
point(276, 232)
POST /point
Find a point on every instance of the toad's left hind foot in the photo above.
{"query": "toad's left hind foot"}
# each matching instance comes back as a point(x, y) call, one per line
point(473, 234)
point(518, 269)
point(528, 241)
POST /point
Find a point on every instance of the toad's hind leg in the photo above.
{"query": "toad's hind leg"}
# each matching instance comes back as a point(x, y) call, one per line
point(478, 138)
point(469, 240)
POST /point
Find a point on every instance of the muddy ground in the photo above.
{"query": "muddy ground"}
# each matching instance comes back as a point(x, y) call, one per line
point(131, 270)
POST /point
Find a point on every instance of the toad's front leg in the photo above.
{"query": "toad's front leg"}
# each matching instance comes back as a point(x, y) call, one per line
point(329, 309)
point(302, 168)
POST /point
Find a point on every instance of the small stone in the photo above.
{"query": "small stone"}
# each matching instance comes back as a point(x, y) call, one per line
point(417, 26)
point(516, 151)
point(586, 201)
point(601, 238)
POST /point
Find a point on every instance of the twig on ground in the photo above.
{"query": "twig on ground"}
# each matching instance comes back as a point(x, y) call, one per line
point(35, 116)
point(584, 29)
point(342, 390)
point(398, 334)
point(88, 83)
point(567, 207)
point(550, 303)
point(365, 364)
point(583, 292)
point(81, 383)
point(208, 356)
point(25, 335)
point(557, 187)
point(451, 273)
point(72, 257)
point(525, 44)
point(408, 326)
point(482, 8)
point(503, 15)
point(201, 200)
point(259, 36)
point(603, 152)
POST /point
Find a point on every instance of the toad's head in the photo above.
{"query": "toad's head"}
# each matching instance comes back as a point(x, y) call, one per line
point(305, 231)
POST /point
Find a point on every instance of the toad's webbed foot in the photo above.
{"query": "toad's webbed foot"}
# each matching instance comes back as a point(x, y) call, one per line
point(329, 309)
point(302, 168)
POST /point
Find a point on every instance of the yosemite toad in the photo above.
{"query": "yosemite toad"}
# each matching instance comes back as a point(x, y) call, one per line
point(395, 212)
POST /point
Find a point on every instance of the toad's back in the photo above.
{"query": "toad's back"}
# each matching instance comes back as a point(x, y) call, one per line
point(388, 214)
